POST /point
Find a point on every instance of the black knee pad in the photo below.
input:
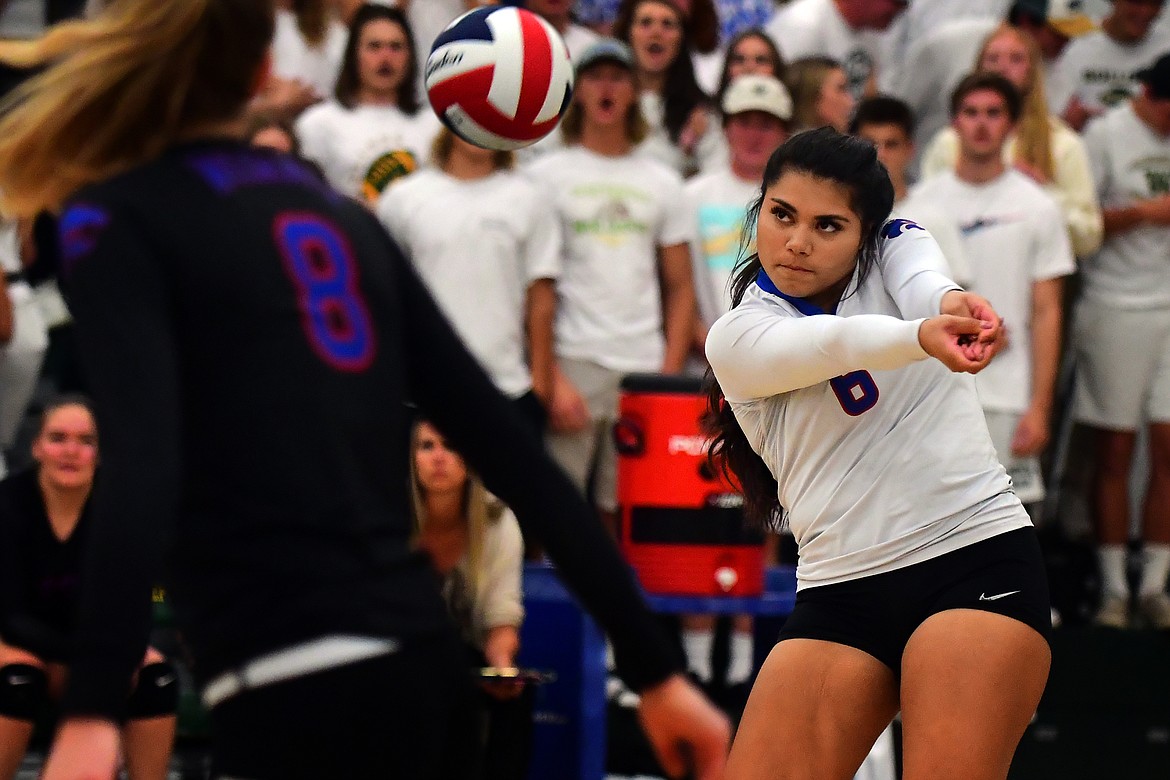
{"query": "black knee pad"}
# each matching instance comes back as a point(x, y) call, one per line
point(23, 691)
point(156, 694)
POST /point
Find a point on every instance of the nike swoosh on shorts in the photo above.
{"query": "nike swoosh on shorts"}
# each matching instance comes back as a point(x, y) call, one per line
point(985, 597)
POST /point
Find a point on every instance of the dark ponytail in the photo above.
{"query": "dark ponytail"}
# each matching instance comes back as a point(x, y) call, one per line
point(823, 154)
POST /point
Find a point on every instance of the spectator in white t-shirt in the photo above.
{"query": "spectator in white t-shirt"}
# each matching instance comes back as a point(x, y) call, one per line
point(1122, 335)
point(489, 249)
point(375, 130)
point(682, 132)
point(820, 93)
point(921, 20)
point(626, 299)
point(888, 124)
point(558, 13)
point(1013, 234)
point(308, 45)
point(1097, 70)
point(846, 30)
point(1042, 145)
point(756, 114)
point(936, 62)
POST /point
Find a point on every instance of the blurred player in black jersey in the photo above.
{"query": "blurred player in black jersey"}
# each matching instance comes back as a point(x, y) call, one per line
point(44, 528)
point(250, 339)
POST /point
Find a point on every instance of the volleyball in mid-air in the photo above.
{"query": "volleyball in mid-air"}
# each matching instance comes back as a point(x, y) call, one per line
point(499, 77)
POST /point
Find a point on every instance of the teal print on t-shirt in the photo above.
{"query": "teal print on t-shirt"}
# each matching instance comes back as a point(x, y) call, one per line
point(720, 228)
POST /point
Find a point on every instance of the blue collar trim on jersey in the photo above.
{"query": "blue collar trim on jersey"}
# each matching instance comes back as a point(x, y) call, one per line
point(806, 308)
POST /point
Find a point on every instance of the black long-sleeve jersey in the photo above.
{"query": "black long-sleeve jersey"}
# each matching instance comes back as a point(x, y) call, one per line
point(40, 574)
point(251, 340)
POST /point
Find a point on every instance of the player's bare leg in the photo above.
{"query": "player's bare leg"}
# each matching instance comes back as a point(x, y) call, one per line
point(971, 682)
point(814, 713)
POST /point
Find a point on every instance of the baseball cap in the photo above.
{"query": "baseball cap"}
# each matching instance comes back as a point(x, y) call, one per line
point(606, 50)
point(1067, 17)
point(1157, 78)
point(753, 92)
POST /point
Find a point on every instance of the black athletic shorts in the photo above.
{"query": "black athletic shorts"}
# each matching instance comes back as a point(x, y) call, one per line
point(877, 614)
point(401, 716)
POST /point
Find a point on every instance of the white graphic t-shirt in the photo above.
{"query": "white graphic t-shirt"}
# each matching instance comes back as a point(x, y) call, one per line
point(478, 245)
point(1130, 163)
point(1013, 236)
point(364, 149)
point(807, 28)
point(1099, 71)
point(615, 213)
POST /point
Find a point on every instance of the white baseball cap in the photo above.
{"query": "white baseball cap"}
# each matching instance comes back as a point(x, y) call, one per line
point(753, 92)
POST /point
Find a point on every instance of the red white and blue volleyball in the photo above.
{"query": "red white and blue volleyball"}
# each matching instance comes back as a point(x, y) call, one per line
point(499, 77)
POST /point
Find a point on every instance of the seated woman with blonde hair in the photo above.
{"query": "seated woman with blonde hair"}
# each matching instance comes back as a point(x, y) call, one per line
point(475, 544)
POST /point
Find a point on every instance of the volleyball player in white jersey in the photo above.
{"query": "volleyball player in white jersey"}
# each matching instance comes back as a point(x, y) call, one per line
point(920, 584)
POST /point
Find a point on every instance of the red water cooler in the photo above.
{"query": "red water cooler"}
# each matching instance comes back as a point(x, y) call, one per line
point(681, 525)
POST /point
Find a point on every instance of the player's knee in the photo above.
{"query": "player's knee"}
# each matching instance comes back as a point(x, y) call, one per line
point(23, 691)
point(156, 694)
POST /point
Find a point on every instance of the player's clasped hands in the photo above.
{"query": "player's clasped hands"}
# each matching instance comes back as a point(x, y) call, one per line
point(957, 342)
point(966, 335)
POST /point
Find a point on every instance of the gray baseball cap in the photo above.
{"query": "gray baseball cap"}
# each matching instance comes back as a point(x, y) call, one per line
point(606, 50)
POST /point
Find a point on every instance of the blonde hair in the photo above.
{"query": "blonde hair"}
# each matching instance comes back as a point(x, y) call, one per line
point(480, 509)
point(1033, 129)
point(805, 79)
point(122, 87)
point(444, 142)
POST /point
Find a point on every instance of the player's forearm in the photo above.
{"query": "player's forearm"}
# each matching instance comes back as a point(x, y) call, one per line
point(757, 357)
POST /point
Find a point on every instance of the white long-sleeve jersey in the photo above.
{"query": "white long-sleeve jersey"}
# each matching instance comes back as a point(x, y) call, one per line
point(882, 456)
